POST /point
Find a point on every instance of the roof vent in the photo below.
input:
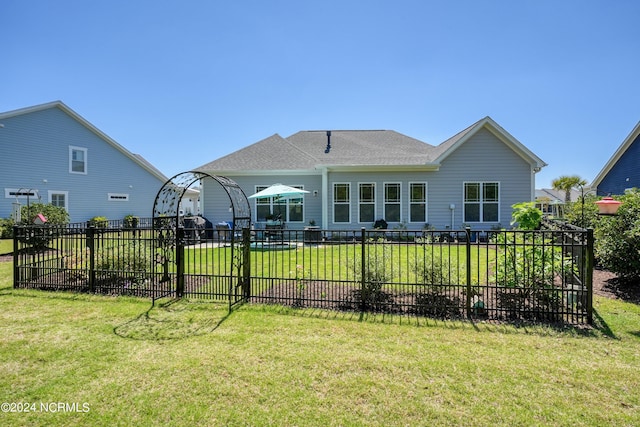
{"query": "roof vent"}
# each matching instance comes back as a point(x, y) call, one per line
point(326, 150)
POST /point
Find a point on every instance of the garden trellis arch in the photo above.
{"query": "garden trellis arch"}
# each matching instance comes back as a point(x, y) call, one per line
point(169, 227)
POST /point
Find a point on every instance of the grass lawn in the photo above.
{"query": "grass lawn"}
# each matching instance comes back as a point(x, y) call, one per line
point(6, 246)
point(119, 361)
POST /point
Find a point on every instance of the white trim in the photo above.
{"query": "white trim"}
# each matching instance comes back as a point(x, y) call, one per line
point(333, 202)
point(10, 193)
point(51, 193)
point(85, 151)
point(118, 197)
point(616, 156)
point(480, 202)
point(426, 202)
point(384, 200)
point(375, 207)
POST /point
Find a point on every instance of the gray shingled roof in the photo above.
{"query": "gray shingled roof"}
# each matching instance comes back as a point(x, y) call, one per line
point(305, 150)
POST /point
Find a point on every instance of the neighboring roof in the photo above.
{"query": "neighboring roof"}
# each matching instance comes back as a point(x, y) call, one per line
point(353, 149)
point(59, 104)
point(616, 156)
point(556, 196)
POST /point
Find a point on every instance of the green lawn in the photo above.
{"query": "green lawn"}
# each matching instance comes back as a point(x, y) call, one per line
point(6, 246)
point(120, 361)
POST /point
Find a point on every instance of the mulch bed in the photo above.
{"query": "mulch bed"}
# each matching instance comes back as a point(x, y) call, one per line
point(605, 283)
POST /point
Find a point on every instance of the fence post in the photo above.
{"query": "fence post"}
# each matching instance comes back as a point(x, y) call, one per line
point(91, 245)
point(363, 269)
point(589, 275)
point(179, 261)
point(467, 231)
point(246, 263)
point(16, 254)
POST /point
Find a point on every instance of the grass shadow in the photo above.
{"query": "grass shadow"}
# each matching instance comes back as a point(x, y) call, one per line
point(173, 320)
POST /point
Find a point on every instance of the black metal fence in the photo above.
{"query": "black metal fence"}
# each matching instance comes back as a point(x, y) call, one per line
point(542, 276)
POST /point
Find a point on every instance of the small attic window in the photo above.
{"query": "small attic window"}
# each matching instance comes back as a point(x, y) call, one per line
point(118, 197)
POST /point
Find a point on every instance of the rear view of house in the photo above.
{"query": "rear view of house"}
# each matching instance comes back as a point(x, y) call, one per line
point(50, 154)
point(357, 177)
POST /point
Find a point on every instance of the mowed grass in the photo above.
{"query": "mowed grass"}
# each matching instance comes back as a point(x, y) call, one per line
point(6, 246)
point(190, 363)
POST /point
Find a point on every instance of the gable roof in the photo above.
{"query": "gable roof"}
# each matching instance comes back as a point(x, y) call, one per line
point(616, 156)
point(443, 150)
point(355, 149)
point(141, 161)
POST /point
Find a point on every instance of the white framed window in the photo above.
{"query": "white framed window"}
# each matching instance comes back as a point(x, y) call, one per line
point(287, 209)
point(59, 198)
point(341, 202)
point(392, 201)
point(481, 202)
point(117, 197)
point(78, 160)
point(418, 202)
point(366, 202)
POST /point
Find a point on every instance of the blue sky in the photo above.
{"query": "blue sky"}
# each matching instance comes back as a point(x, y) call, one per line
point(185, 82)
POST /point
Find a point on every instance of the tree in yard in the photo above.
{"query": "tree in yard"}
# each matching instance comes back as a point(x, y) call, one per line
point(567, 183)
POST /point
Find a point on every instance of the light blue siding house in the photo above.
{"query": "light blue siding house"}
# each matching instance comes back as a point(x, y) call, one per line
point(621, 172)
point(355, 178)
point(52, 155)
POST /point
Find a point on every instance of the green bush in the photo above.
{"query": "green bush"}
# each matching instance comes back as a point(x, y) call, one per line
point(98, 222)
point(617, 238)
point(55, 215)
point(131, 262)
point(6, 228)
point(526, 216)
point(131, 221)
point(39, 236)
point(378, 270)
point(433, 271)
point(581, 214)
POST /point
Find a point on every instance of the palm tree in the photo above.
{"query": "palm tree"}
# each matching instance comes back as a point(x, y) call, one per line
point(567, 183)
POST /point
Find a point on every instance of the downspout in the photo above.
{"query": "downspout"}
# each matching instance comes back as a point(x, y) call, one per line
point(534, 171)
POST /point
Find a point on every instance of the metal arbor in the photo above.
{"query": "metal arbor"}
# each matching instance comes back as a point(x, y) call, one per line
point(169, 226)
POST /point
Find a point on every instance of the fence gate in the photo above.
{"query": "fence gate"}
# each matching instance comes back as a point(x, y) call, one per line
point(194, 269)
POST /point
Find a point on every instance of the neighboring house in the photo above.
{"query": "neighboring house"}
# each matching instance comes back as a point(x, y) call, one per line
point(621, 172)
point(551, 201)
point(357, 177)
point(190, 203)
point(52, 155)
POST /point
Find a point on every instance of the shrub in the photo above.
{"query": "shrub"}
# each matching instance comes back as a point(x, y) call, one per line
point(98, 222)
point(617, 238)
point(55, 215)
point(378, 270)
point(527, 265)
point(583, 215)
point(6, 228)
point(131, 262)
point(526, 216)
point(40, 236)
point(131, 221)
point(433, 271)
